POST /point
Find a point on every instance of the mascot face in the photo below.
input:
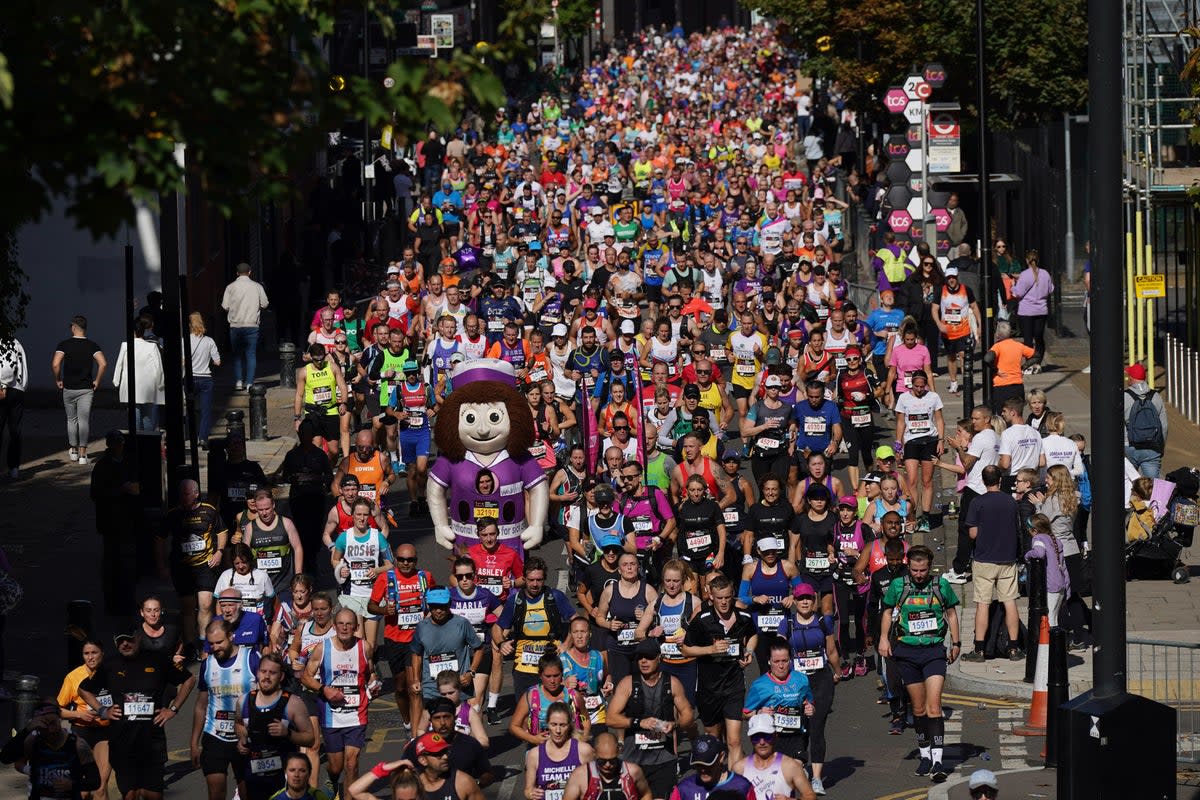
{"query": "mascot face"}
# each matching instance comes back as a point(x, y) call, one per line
point(484, 427)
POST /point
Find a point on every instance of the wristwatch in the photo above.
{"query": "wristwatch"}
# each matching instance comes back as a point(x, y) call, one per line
point(174, 709)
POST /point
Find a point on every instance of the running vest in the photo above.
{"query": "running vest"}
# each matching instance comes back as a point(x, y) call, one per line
point(346, 670)
point(320, 388)
point(539, 707)
point(370, 476)
point(894, 266)
point(622, 788)
point(674, 619)
point(391, 361)
point(226, 686)
point(922, 613)
point(768, 781)
point(273, 552)
point(551, 776)
point(705, 472)
point(49, 765)
point(590, 676)
point(710, 399)
point(309, 639)
point(447, 791)
point(955, 313)
point(268, 753)
point(414, 401)
point(656, 471)
point(442, 354)
point(855, 396)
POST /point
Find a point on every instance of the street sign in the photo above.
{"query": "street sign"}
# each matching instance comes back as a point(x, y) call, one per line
point(1147, 287)
point(916, 209)
point(895, 100)
point(915, 88)
point(924, 91)
point(934, 74)
point(941, 219)
point(945, 142)
point(913, 135)
point(897, 147)
point(913, 111)
point(900, 221)
point(915, 183)
point(897, 172)
point(915, 160)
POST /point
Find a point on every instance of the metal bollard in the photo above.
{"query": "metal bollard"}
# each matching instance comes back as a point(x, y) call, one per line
point(968, 386)
point(1035, 580)
point(287, 365)
point(1058, 691)
point(79, 628)
point(258, 412)
point(26, 699)
point(235, 420)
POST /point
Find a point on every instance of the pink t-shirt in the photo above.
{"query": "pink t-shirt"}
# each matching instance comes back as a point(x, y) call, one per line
point(907, 361)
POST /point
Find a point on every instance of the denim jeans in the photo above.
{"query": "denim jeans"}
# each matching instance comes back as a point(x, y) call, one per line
point(245, 353)
point(204, 396)
point(1148, 462)
point(147, 417)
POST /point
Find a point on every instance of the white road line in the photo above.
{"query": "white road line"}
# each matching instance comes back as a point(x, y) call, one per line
point(1012, 713)
point(562, 581)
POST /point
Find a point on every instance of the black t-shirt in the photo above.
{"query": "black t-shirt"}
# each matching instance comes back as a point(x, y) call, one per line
point(596, 577)
point(137, 684)
point(79, 358)
point(234, 486)
point(308, 471)
point(815, 538)
point(720, 674)
point(698, 529)
point(161, 645)
point(775, 520)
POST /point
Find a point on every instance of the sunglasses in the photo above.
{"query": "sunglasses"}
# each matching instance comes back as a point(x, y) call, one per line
point(984, 791)
point(762, 737)
point(703, 371)
point(630, 477)
point(404, 560)
point(608, 762)
point(462, 576)
point(620, 427)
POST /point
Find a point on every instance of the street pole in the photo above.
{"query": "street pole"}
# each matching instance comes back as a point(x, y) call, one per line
point(1070, 205)
point(130, 373)
point(926, 217)
point(367, 165)
point(172, 334)
point(985, 236)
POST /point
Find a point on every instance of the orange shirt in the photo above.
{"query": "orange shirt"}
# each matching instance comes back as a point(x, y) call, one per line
point(1008, 361)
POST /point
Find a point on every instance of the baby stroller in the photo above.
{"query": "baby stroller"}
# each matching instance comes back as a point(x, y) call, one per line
point(1159, 555)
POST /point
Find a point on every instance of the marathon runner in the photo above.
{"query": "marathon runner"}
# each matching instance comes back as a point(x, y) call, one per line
point(272, 725)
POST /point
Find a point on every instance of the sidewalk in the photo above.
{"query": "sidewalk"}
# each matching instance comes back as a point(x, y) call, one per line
point(1032, 782)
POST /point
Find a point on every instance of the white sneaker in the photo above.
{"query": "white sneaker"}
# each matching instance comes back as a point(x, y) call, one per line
point(818, 787)
point(239, 386)
point(956, 577)
point(73, 454)
point(83, 461)
point(953, 387)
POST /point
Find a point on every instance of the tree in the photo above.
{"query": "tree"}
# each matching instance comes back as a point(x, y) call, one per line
point(97, 94)
point(1036, 49)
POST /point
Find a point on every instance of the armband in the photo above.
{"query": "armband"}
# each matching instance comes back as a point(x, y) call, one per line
point(381, 770)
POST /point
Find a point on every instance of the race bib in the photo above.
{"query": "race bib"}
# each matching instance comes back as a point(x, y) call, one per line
point(495, 325)
point(263, 766)
point(367, 490)
point(270, 563)
point(787, 722)
point(626, 635)
point(194, 545)
point(649, 741)
point(718, 354)
point(818, 563)
point(531, 654)
point(360, 574)
point(922, 622)
point(416, 419)
point(953, 316)
point(554, 794)
point(769, 622)
point(744, 368)
point(472, 614)
point(769, 444)
point(223, 723)
point(236, 492)
point(919, 424)
point(140, 709)
point(809, 663)
point(671, 650)
point(440, 663)
point(538, 375)
point(731, 516)
point(735, 650)
point(697, 542)
point(860, 420)
point(815, 426)
point(839, 362)
point(538, 450)
point(409, 619)
point(352, 701)
point(822, 312)
point(642, 525)
point(592, 701)
point(908, 381)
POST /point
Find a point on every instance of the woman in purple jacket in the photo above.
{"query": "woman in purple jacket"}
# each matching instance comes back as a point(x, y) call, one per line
point(1032, 289)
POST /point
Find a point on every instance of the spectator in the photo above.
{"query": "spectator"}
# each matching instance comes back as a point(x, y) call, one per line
point(1145, 423)
point(72, 368)
point(14, 376)
point(1033, 289)
point(994, 526)
point(244, 302)
point(957, 231)
point(1006, 356)
point(204, 357)
point(148, 375)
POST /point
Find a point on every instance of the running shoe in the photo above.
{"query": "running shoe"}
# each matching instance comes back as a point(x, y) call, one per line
point(818, 787)
point(923, 768)
point(73, 454)
point(860, 666)
point(953, 387)
point(847, 672)
point(492, 715)
point(953, 576)
point(896, 727)
point(923, 524)
point(975, 657)
point(1015, 654)
point(939, 773)
point(1079, 647)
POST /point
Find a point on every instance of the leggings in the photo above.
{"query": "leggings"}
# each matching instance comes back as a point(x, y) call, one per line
point(849, 604)
point(1033, 330)
point(822, 689)
point(932, 338)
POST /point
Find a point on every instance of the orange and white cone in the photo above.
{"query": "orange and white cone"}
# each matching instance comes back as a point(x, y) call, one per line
point(1035, 724)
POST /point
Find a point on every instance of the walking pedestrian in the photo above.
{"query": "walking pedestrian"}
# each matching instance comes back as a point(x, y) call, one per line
point(72, 368)
point(244, 301)
point(1145, 423)
point(204, 356)
point(1033, 288)
point(14, 376)
point(148, 374)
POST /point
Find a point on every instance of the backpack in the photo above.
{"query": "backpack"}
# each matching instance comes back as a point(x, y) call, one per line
point(1143, 425)
point(935, 587)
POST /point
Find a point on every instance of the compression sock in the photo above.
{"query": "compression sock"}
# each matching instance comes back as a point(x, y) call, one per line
point(493, 699)
point(937, 736)
point(921, 724)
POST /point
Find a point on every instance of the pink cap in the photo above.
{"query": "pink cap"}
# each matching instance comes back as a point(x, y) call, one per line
point(849, 500)
point(804, 590)
point(484, 369)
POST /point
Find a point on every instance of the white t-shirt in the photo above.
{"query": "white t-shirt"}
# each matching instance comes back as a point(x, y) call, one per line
point(1023, 444)
point(985, 446)
point(918, 414)
point(1061, 450)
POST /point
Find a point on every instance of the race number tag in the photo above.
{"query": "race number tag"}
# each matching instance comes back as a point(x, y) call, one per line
point(416, 419)
point(270, 563)
point(769, 444)
point(223, 723)
point(919, 424)
point(815, 426)
point(731, 516)
point(718, 354)
point(787, 722)
point(351, 701)
point(735, 650)
point(194, 545)
point(592, 701)
point(769, 622)
point(495, 325)
point(744, 368)
point(922, 622)
point(409, 619)
point(697, 542)
point(440, 663)
point(263, 766)
point(671, 650)
point(860, 420)
point(626, 635)
point(818, 563)
point(141, 709)
point(808, 662)
point(642, 525)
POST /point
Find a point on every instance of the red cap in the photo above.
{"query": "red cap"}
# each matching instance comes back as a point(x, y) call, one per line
point(1136, 371)
point(431, 743)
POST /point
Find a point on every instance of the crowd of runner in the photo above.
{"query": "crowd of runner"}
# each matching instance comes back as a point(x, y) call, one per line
point(659, 257)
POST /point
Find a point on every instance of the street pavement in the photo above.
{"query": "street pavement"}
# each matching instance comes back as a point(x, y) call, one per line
point(52, 543)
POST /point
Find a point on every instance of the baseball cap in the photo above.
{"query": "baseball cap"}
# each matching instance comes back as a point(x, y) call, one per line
point(597, 210)
point(591, 302)
point(761, 724)
point(706, 751)
point(774, 356)
point(349, 480)
point(884, 451)
point(769, 543)
point(804, 590)
point(731, 455)
point(983, 777)
point(558, 330)
point(951, 272)
point(393, 269)
point(691, 390)
point(648, 648)
point(431, 743)
point(124, 636)
point(609, 540)
point(773, 381)
point(850, 501)
point(1136, 371)
point(627, 326)
point(438, 597)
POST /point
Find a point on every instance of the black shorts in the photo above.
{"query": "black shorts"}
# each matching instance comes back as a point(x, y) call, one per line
point(398, 656)
point(922, 449)
point(328, 425)
point(960, 345)
point(661, 778)
point(917, 662)
point(860, 443)
point(138, 755)
point(92, 734)
point(653, 294)
point(218, 756)
point(822, 583)
point(715, 707)
point(739, 392)
point(190, 579)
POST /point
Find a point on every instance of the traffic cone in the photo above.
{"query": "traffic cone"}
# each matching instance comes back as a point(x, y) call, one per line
point(1035, 724)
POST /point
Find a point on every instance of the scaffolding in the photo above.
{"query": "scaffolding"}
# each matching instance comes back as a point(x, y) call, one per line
point(1160, 166)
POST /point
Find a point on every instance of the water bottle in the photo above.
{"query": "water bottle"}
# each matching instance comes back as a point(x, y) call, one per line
point(392, 593)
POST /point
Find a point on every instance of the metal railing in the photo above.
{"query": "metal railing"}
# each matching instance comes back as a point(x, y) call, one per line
point(1169, 673)
point(1183, 378)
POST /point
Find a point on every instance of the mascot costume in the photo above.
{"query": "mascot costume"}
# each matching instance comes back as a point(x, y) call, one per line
point(485, 425)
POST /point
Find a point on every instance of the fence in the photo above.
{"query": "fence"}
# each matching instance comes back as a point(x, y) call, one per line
point(1169, 673)
point(1183, 378)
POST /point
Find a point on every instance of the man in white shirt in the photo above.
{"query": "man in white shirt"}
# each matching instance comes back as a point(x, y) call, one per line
point(599, 227)
point(14, 376)
point(1020, 444)
point(244, 302)
point(983, 451)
